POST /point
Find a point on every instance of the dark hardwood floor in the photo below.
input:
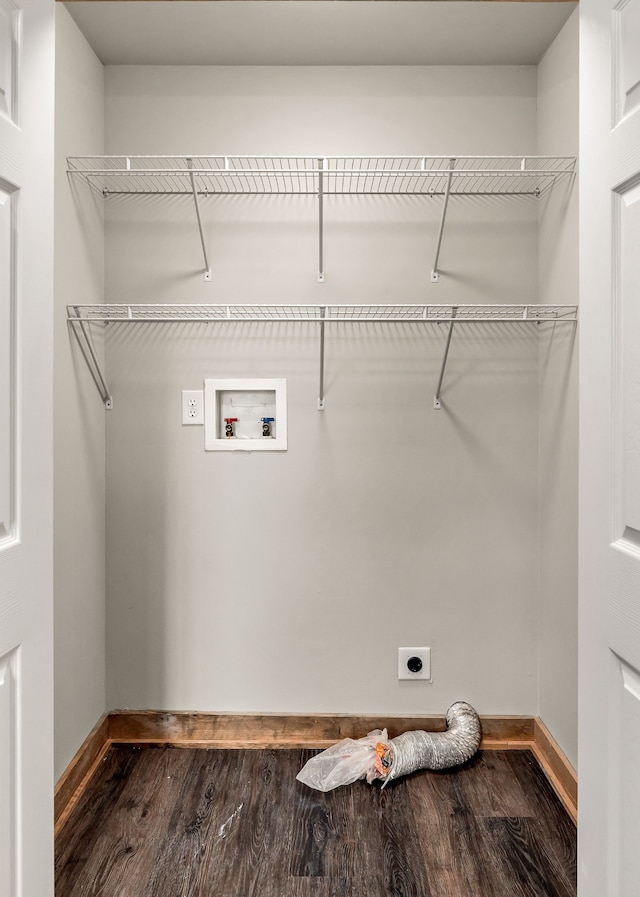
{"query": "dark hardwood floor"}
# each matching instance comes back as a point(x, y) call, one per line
point(183, 822)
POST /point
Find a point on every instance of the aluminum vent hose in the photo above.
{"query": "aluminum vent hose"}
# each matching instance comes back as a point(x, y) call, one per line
point(437, 750)
point(377, 757)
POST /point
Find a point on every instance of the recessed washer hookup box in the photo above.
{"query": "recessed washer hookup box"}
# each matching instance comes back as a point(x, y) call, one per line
point(245, 415)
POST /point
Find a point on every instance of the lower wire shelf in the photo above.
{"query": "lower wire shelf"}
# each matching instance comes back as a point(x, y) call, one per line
point(82, 317)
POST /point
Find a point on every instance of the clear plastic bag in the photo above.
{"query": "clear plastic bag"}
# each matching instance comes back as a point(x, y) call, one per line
point(345, 762)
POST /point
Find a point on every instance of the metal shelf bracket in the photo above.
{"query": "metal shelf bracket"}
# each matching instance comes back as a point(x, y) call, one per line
point(437, 402)
point(321, 167)
point(323, 312)
point(207, 266)
point(435, 274)
point(82, 332)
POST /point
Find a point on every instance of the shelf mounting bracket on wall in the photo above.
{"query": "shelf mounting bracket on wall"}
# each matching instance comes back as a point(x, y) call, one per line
point(437, 403)
point(435, 274)
point(323, 312)
point(81, 330)
point(207, 266)
point(321, 165)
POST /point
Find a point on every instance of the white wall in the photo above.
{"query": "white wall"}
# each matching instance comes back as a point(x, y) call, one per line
point(286, 582)
point(79, 417)
point(558, 277)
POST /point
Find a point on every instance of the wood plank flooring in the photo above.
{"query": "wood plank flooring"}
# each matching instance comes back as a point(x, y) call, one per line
point(184, 822)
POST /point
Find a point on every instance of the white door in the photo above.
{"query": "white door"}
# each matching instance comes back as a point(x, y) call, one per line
point(609, 706)
point(26, 286)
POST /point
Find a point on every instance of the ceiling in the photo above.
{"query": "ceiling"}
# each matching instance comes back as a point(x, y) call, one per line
point(322, 32)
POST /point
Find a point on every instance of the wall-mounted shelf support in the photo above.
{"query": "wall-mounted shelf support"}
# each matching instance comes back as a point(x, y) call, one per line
point(207, 266)
point(323, 312)
point(435, 275)
point(437, 404)
point(80, 329)
point(321, 220)
point(81, 317)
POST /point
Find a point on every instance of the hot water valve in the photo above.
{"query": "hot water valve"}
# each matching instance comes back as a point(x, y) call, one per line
point(228, 426)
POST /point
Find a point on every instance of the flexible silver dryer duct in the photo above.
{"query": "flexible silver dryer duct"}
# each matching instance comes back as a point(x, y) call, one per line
point(377, 757)
point(437, 750)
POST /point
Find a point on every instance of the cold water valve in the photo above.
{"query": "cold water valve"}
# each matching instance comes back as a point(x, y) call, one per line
point(266, 425)
point(228, 426)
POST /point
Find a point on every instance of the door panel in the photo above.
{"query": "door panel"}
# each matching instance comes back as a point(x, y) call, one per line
point(624, 864)
point(623, 633)
point(625, 57)
point(9, 784)
point(7, 376)
point(627, 304)
point(9, 22)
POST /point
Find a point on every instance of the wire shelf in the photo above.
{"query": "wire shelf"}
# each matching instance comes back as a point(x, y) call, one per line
point(81, 317)
point(322, 314)
point(321, 176)
point(337, 175)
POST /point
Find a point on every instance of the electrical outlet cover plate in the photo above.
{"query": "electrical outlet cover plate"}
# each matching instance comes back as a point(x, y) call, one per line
point(425, 656)
point(192, 407)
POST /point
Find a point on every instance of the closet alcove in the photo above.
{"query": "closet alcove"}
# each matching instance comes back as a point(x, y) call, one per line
point(384, 522)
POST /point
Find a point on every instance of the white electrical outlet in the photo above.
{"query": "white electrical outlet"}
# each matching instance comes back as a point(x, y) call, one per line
point(414, 663)
point(192, 407)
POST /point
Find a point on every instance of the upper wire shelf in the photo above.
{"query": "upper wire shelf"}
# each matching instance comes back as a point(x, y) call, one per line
point(396, 175)
point(321, 176)
point(322, 314)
